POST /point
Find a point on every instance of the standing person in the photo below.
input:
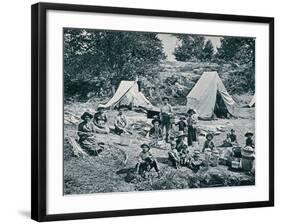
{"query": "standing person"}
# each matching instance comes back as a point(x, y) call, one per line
point(120, 123)
point(191, 127)
point(182, 124)
point(166, 112)
point(146, 161)
point(100, 120)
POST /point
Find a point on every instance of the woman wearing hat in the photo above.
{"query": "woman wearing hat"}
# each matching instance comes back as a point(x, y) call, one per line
point(121, 123)
point(249, 139)
point(146, 161)
point(191, 126)
point(86, 130)
point(100, 120)
point(166, 112)
point(156, 131)
point(209, 142)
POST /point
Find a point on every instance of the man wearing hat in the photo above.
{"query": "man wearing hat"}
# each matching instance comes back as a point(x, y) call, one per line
point(166, 112)
point(249, 139)
point(209, 142)
point(146, 161)
point(100, 120)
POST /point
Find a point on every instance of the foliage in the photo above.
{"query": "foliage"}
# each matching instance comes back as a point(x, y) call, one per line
point(96, 60)
point(208, 51)
point(193, 48)
point(240, 52)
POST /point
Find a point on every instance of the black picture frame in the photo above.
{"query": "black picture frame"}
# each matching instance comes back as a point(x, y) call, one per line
point(39, 108)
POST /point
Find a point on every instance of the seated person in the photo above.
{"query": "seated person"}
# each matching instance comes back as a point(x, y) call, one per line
point(233, 136)
point(100, 120)
point(182, 124)
point(195, 161)
point(249, 139)
point(227, 142)
point(86, 130)
point(173, 155)
point(120, 123)
point(156, 131)
point(146, 161)
point(182, 149)
point(209, 142)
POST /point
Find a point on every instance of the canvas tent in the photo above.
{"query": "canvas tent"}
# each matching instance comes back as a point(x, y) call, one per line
point(128, 94)
point(210, 98)
point(253, 102)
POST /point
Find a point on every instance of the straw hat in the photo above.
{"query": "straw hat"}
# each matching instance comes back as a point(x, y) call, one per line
point(156, 120)
point(196, 152)
point(249, 134)
point(145, 145)
point(86, 114)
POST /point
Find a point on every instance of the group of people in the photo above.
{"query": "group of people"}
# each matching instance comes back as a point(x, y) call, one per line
point(179, 153)
point(98, 123)
point(164, 123)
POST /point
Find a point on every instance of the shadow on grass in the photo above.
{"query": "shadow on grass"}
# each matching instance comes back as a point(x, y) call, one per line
point(163, 160)
point(126, 170)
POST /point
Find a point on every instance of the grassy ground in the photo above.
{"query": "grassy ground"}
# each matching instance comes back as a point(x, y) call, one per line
point(108, 173)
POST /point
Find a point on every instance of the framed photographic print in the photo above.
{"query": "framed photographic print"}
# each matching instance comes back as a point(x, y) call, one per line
point(138, 111)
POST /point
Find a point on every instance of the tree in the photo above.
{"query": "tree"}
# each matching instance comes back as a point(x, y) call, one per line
point(191, 48)
point(93, 58)
point(208, 51)
point(240, 51)
point(184, 51)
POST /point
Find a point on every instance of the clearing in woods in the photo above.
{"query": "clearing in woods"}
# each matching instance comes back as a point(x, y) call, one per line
point(111, 170)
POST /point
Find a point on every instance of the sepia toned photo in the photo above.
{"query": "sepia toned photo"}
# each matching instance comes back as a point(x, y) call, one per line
point(157, 111)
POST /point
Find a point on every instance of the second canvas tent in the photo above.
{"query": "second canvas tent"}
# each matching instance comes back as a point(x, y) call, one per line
point(210, 98)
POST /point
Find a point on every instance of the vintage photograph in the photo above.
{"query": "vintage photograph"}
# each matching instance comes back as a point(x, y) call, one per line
point(157, 111)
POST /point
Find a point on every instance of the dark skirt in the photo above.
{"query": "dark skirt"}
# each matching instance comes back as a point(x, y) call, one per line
point(192, 135)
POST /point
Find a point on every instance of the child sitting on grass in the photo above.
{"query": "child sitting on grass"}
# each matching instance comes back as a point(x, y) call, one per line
point(146, 161)
point(196, 162)
point(209, 142)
